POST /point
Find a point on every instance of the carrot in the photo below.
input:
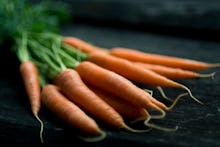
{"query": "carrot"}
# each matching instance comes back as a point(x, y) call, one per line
point(173, 73)
point(118, 85)
point(126, 109)
point(74, 88)
point(59, 105)
point(80, 44)
point(138, 56)
point(31, 81)
point(133, 72)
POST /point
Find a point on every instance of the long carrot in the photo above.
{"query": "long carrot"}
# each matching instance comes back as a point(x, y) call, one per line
point(173, 73)
point(134, 72)
point(138, 56)
point(74, 88)
point(57, 103)
point(31, 81)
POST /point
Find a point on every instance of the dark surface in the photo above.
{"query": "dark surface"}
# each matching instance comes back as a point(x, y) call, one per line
point(198, 124)
point(194, 18)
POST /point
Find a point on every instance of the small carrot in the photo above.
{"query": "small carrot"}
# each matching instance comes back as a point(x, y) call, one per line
point(74, 88)
point(177, 62)
point(80, 44)
point(59, 105)
point(173, 73)
point(133, 72)
point(31, 80)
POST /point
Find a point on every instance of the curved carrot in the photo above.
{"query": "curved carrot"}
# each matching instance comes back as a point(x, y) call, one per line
point(31, 81)
point(173, 73)
point(138, 56)
point(133, 72)
point(74, 88)
point(81, 45)
point(57, 103)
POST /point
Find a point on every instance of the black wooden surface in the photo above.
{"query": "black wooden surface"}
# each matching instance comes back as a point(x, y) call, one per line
point(198, 124)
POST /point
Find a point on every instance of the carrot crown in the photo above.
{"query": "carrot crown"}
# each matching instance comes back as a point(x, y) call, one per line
point(48, 53)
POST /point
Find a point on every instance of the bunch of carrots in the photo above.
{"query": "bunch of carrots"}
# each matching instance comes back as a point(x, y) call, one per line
point(82, 83)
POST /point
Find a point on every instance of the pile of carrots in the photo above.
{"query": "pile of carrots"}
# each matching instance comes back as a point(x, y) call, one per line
point(82, 83)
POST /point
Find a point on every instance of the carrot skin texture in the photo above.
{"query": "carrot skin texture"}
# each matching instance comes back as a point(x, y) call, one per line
point(80, 44)
point(31, 81)
point(57, 103)
point(169, 72)
point(115, 84)
point(74, 88)
point(126, 109)
point(130, 70)
point(138, 56)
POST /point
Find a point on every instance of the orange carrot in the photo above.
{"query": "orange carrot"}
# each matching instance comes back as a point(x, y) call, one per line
point(80, 44)
point(118, 85)
point(57, 103)
point(126, 109)
point(173, 73)
point(138, 56)
point(31, 81)
point(74, 88)
point(133, 72)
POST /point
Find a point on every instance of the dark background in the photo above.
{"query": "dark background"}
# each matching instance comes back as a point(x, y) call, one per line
point(179, 28)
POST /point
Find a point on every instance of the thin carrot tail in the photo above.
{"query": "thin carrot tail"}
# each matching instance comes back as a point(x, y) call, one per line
point(135, 130)
point(214, 65)
point(154, 126)
point(41, 127)
point(160, 116)
point(138, 119)
point(159, 88)
point(149, 91)
point(176, 100)
point(207, 75)
point(190, 94)
point(94, 139)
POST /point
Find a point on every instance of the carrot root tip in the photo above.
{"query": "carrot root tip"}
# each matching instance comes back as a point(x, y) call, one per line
point(151, 125)
point(149, 91)
point(214, 65)
point(161, 128)
point(212, 75)
point(135, 130)
point(190, 94)
point(176, 100)
point(163, 94)
point(94, 139)
point(41, 128)
point(160, 116)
